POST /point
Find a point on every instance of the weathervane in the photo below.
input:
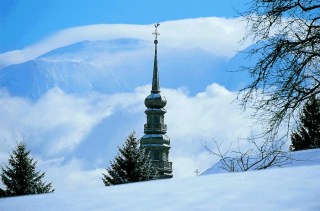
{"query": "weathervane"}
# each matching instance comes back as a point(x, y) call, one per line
point(155, 33)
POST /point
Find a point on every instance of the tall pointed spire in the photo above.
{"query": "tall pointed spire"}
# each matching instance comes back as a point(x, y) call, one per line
point(155, 77)
point(155, 141)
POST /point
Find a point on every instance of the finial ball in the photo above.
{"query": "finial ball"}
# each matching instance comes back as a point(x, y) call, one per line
point(156, 42)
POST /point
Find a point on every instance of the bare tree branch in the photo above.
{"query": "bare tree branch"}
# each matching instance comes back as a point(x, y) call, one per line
point(260, 156)
point(287, 72)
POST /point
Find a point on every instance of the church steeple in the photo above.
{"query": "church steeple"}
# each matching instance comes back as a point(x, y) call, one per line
point(155, 141)
point(155, 78)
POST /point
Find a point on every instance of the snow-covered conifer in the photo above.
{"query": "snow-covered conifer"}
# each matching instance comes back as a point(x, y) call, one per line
point(132, 164)
point(308, 133)
point(21, 177)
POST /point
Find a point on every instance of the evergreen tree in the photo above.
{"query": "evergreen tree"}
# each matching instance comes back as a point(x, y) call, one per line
point(2, 193)
point(132, 164)
point(307, 135)
point(21, 177)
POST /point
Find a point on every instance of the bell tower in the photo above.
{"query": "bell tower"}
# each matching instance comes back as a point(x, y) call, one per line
point(155, 141)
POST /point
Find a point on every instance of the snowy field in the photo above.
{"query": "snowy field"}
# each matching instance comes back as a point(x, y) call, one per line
point(299, 158)
point(295, 188)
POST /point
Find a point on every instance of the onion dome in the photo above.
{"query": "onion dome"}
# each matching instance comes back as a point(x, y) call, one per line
point(155, 100)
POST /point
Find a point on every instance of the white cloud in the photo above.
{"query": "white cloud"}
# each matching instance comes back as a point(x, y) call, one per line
point(57, 123)
point(207, 113)
point(194, 120)
point(219, 36)
point(70, 175)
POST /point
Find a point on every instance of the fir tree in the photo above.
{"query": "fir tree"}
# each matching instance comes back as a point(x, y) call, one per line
point(307, 135)
point(21, 177)
point(131, 164)
point(2, 193)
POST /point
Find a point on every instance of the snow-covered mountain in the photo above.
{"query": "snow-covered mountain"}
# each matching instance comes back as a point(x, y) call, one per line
point(74, 69)
point(115, 66)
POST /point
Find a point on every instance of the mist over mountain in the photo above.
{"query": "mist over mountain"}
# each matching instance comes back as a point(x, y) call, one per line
point(113, 66)
point(73, 69)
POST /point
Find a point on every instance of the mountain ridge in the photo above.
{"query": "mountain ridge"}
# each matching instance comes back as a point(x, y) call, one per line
point(109, 67)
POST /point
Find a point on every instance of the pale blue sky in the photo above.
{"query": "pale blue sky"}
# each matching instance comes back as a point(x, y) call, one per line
point(25, 22)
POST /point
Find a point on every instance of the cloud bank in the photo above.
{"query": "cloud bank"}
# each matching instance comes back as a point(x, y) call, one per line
point(219, 36)
point(58, 123)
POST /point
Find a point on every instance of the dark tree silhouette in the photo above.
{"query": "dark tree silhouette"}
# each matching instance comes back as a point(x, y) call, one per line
point(21, 177)
point(307, 135)
point(131, 164)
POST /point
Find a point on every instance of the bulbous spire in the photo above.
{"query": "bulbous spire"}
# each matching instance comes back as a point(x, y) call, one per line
point(155, 100)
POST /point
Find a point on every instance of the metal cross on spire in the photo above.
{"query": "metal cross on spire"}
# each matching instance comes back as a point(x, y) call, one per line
point(155, 33)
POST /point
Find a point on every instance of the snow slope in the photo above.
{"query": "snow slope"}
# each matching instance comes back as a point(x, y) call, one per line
point(295, 188)
point(299, 158)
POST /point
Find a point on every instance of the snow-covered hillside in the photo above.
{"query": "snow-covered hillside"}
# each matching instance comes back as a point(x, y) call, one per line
point(295, 188)
point(299, 158)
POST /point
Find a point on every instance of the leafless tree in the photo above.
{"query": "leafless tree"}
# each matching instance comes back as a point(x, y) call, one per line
point(259, 156)
point(287, 71)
